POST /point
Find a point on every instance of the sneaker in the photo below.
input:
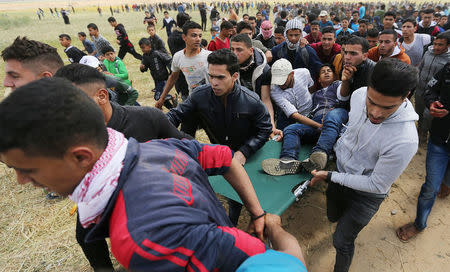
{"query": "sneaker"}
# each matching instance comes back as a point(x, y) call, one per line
point(51, 196)
point(317, 161)
point(280, 167)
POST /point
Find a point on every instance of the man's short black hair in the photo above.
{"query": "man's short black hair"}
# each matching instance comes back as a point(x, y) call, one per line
point(410, 20)
point(145, 41)
point(390, 32)
point(81, 74)
point(444, 36)
point(373, 33)
point(279, 30)
point(65, 36)
point(363, 21)
point(191, 25)
point(243, 38)
point(150, 25)
point(283, 14)
point(225, 57)
point(243, 25)
point(252, 18)
point(353, 40)
point(392, 77)
point(437, 14)
point(245, 14)
point(226, 25)
point(233, 22)
point(328, 65)
point(328, 29)
point(390, 13)
point(182, 19)
point(107, 49)
point(315, 22)
point(82, 34)
point(428, 11)
point(36, 56)
point(311, 17)
point(355, 12)
point(111, 19)
point(93, 26)
point(48, 116)
point(166, 12)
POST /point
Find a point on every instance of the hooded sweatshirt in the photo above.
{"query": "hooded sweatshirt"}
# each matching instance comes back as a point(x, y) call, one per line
point(399, 53)
point(432, 30)
point(370, 157)
point(430, 65)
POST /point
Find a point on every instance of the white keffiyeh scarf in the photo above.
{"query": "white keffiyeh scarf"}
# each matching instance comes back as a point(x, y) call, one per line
point(94, 191)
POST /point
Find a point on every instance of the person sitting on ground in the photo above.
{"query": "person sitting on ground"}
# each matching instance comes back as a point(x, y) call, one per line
point(114, 65)
point(141, 123)
point(266, 36)
point(159, 65)
point(327, 48)
point(230, 114)
point(377, 146)
point(28, 60)
point(221, 41)
point(156, 42)
point(74, 54)
point(279, 35)
point(299, 56)
point(319, 122)
point(112, 178)
point(388, 47)
point(372, 37)
point(315, 35)
point(437, 98)
point(89, 46)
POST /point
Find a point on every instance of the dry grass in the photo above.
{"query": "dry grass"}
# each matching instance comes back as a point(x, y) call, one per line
point(37, 234)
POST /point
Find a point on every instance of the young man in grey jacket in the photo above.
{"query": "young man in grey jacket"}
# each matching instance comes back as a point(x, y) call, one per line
point(378, 144)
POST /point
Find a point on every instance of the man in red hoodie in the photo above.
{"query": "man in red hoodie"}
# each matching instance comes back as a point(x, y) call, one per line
point(327, 49)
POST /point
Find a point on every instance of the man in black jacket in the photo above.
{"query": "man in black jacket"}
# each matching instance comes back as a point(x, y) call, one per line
point(122, 39)
point(230, 114)
point(141, 123)
point(437, 98)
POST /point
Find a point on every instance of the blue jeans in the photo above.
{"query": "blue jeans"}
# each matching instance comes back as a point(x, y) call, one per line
point(438, 158)
point(295, 133)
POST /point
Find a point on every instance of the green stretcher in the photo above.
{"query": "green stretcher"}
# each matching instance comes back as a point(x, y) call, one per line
point(275, 193)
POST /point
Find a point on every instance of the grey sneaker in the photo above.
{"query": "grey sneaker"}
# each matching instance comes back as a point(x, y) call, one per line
point(280, 167)
point(317, 161)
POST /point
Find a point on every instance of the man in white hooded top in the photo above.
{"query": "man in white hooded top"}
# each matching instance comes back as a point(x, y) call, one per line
point(378, 144)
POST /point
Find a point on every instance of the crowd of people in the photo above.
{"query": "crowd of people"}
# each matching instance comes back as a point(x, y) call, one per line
point(352, 79)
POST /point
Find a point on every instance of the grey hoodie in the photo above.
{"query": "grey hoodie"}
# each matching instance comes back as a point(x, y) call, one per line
point(370, 157)
point(430, 65)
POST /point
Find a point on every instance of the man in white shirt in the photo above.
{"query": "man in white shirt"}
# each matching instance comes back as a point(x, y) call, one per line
point(413, 42)
point(191, 61)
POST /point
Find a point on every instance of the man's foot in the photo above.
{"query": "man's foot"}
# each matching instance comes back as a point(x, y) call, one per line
point(444, 192)
point(406, 232)
point(280, 167)
point(316, 161)
point(51, 196)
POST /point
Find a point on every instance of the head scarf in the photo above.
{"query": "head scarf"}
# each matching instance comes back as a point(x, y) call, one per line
point(292, 24)
point(266, 33)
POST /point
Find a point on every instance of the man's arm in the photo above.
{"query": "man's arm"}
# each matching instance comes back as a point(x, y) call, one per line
point(163, 127)
point(265, 98)
point(182, 111)
point(169, 85)
point(305, 120)
point(344, 90)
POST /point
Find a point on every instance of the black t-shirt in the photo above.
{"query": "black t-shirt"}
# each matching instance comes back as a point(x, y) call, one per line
point(143, 123)
point(122, 35)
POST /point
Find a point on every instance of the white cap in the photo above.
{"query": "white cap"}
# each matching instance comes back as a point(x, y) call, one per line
point(323, 13)
point(280, 71)
point(90, 61)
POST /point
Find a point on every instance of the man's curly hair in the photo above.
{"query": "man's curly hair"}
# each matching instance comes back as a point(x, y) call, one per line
point(34, 55)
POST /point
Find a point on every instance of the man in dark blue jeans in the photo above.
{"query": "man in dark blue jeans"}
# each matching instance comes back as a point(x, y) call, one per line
point(328, 118)
point(378, 144)
point(437, 97)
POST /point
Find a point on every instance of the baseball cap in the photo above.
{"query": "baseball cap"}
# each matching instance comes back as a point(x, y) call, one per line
point(280, 71)
point(323, 13)
point(90, 61)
